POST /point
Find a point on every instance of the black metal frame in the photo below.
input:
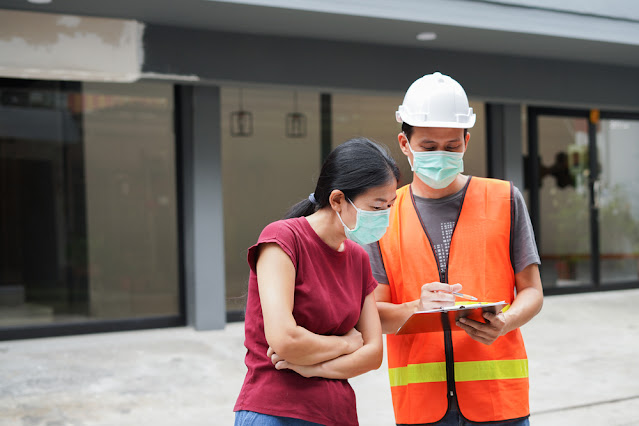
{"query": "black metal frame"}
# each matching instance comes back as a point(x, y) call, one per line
point(533, 171)
point(235, 315)
point(326, 126)
point(494, 134)
point(179, 110)
point(91, 327)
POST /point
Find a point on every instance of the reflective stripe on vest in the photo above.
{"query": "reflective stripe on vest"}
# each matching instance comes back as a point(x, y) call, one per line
point(464, 371)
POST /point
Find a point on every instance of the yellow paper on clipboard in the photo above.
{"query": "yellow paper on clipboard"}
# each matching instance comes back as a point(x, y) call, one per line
point(445, 318)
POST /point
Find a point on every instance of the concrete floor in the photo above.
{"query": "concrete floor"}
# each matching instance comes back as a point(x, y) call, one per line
point(583, 356)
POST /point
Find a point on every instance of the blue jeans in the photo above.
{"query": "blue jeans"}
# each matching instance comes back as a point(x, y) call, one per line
point(251, 418)
point(454, 418)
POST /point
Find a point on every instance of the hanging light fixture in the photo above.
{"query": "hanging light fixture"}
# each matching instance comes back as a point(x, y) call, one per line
point(295, 121)
point(241, 120)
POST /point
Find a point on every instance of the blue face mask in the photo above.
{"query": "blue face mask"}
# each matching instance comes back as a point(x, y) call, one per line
point(369, 227)
point(437, 169)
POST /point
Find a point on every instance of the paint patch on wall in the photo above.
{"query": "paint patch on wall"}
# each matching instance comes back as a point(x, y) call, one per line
point(63, 47)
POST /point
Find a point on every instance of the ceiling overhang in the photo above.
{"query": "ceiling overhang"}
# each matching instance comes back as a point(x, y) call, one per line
point(509, 27)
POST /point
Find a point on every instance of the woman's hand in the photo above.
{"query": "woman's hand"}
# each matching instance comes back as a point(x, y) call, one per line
point(367, 339)
point(275, 358)
point(354, 340)
point(281, 364)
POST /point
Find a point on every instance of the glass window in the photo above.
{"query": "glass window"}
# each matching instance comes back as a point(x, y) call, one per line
point(270, 161)
point(373, 117)
point(88, 227)
point(617, 195)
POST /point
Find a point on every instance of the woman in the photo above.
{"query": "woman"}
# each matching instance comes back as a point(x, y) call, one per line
point(311, 319)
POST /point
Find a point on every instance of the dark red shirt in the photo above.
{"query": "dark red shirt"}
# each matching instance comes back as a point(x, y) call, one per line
point(330, 288)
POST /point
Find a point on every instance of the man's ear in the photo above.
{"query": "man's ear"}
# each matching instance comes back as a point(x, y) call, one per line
point(403, 142)
point(466, 139)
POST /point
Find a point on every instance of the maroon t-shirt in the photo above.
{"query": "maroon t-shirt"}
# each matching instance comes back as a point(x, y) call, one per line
point(330, 288)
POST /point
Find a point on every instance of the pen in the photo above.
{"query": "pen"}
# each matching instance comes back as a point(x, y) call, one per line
point(465, 296)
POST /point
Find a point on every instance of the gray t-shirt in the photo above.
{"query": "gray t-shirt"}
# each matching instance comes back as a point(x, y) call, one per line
point(439, 216)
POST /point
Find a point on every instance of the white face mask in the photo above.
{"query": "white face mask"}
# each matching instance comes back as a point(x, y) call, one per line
point(437, 169)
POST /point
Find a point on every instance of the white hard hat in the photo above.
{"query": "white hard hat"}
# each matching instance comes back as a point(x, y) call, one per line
point(436, 100)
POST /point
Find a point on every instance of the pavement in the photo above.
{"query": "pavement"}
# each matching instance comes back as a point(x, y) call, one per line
point(583, 354)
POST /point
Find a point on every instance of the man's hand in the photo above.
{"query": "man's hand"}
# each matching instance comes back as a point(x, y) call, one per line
point(436, 295)
point(484, 333)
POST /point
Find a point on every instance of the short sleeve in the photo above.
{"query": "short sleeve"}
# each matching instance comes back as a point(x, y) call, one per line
point(280, 233)
point(369, 281)
point(376, 262)
point(524, 245)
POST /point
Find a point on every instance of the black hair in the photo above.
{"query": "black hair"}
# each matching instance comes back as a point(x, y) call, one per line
point(408, 130)
point(353, 167)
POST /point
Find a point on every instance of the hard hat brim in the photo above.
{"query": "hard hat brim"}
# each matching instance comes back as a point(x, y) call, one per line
point(445, 124)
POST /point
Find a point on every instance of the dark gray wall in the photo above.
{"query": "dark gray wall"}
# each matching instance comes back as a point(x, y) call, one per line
point(228, 57)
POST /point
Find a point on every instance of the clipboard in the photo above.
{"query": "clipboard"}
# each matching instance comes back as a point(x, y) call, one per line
point(445, 318)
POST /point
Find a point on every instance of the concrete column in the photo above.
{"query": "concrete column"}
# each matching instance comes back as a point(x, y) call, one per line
point(505, 154)
point(202, 209)
point(513, 152)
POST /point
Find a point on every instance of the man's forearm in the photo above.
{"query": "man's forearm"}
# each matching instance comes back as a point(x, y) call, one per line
point(394, 315)
point(526, 305)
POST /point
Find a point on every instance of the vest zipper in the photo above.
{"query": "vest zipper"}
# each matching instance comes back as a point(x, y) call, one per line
point(448, 350)
point(448, 338)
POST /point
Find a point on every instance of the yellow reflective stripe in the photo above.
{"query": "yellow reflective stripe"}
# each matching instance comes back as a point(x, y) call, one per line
point(464, 371)
point(491, 370)
point(417, 373)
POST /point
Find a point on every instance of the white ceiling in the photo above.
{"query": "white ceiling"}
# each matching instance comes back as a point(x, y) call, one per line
point(580, 30)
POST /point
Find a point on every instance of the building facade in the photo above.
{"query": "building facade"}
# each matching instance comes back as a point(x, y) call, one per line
point(144, 146)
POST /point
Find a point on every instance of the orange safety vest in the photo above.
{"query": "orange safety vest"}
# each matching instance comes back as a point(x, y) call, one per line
point(426, 370)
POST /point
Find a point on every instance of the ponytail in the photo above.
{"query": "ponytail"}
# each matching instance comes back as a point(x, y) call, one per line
point(303, 208)
point(353, 167)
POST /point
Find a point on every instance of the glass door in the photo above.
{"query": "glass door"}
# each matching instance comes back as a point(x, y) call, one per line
point(617, 198)
point(560, 199)
point(584, 205)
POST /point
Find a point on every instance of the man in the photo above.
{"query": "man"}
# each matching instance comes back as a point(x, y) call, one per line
point(450, 232)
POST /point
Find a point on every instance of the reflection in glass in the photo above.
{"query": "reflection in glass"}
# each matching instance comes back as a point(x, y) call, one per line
point(618, 200)
point(88, 214)
point(564, 242)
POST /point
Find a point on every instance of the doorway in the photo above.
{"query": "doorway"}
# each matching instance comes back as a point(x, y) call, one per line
point(584, 197)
